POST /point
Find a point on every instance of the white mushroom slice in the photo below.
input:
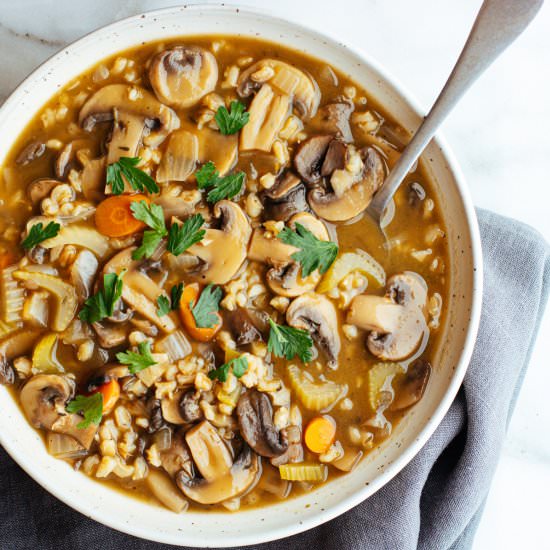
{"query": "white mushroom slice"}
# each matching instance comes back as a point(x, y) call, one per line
point(221, 150)
point(269, 249)
point(138, 290)
point(316, 314)
point(92, 177)
point(210, 454)
point(171, 408)
point(180, 157)
point(126, 136)
point(182, 75)
point(268, 113)
point(222, 251)
point(370, 312)
point(286, 80)
point(160, 119)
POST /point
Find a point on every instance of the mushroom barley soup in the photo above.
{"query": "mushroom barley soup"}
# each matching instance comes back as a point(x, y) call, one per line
point(192, 304)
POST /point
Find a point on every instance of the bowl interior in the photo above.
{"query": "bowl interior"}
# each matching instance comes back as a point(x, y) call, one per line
point(140, 518)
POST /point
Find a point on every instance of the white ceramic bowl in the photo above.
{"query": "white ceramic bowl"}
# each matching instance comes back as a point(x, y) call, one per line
point(138, 518)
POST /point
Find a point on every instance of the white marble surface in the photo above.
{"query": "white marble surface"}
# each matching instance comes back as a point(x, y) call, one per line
point(499, 134)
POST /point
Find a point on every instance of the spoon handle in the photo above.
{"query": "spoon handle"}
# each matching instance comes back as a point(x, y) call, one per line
point(498, 24)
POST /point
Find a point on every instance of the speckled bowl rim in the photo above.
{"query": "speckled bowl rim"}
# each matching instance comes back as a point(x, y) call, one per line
point(292, 526)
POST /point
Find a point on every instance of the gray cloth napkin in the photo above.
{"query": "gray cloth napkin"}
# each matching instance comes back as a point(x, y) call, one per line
point(437, 500)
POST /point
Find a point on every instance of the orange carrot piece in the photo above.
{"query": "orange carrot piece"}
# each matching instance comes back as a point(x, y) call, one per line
point(111, 392)
point(189, 298)
point(320, 434)
point(114, 218)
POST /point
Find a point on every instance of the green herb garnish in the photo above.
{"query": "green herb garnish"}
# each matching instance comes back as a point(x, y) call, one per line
point(151, 215)
point(314, 253)
point(165, 304)
point(137, 361)
point(90, 406)
point(239, 365)
point(39, 233)
point(184, 235)
point(204, 311)
point(230, 122)
point(138, 179)
point(103, 303)
point(225, 187)
point(288, 342)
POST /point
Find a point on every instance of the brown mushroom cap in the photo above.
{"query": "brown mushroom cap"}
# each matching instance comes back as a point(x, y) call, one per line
point(342, 207)
point(410, 387)
point(316, 314)
point(255, 415)
point(286, 198)
point(309, 157)
point(182, 75)
point(333, 118)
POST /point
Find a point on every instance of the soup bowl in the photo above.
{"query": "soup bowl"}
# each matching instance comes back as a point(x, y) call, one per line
point(456, 341)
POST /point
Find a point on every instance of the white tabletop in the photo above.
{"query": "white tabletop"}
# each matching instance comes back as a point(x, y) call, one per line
point(499, 133)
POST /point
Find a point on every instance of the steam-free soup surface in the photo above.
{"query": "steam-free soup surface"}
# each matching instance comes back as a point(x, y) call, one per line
point(193, 306)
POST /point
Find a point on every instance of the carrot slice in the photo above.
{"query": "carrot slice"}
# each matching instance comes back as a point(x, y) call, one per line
point(114, 218)
point(320, 434)
point(189, 298)
point(111, 392)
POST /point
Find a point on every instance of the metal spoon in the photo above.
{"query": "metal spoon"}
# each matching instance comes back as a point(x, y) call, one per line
point(497, 25)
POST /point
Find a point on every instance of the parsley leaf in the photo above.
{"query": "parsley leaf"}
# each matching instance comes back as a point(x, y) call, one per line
point(165, 304)
point(225, 187)
point(39, 233)
point(137, 361)
point(184, 235)
point(230, 122)
point(103, 303)
point(204, 311)
point(153, 216)
point(288, 342)
point(314, 253)
point(90, 406)
point(138, 179)
point(239, 365)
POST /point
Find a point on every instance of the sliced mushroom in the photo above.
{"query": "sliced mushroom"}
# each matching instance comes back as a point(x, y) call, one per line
point(170, 407)
point(109, 334)
point(31, 152)
point(409, 388)
point(223, 250)
point(189, 408)
point(7, 372)
point(333, 118)
point(316, 314)
point(210, 453)
point(82, 273)
point(126, 135)
point(92, 177)
point(255, 415)
point(310, 156)
point(397, 321)
point(18, 343)
point(242, 327)
point(286, 198)
point(43, 399)
point(177, 457)
point(180, 157)
point(40, 189)
point(158, 120)
point(242, 476)
point(182, 75)
point(295, 451)
point(139, 291)
point(352, 189)
point(285, 79)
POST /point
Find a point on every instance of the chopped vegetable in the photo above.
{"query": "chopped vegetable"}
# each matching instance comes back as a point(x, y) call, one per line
point(138, 179)
point(205, 310)
point(90, 406)
point(12, 296)
point(181, 237)
point(165, 491)
point(239, 365)
point(225, 187)
point(65, 296)
point(175, 345)
point(316, 396)
point(348, 462)
point(153, 216)
point(320, 434)
point(44, 355)
point(137, 361)
point(230, 122)
point(80, 235)
point(103, 303)
point(64, 446)
point(38, 233)
point(314, 473)
point(349, 262)
point(289, 341)
point(110, 392)
point(379, 379)
point(202, 334)
point(314, 253)
point(113, 216)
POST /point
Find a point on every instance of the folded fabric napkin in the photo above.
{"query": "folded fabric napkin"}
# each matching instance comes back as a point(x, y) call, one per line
point(437, 500)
